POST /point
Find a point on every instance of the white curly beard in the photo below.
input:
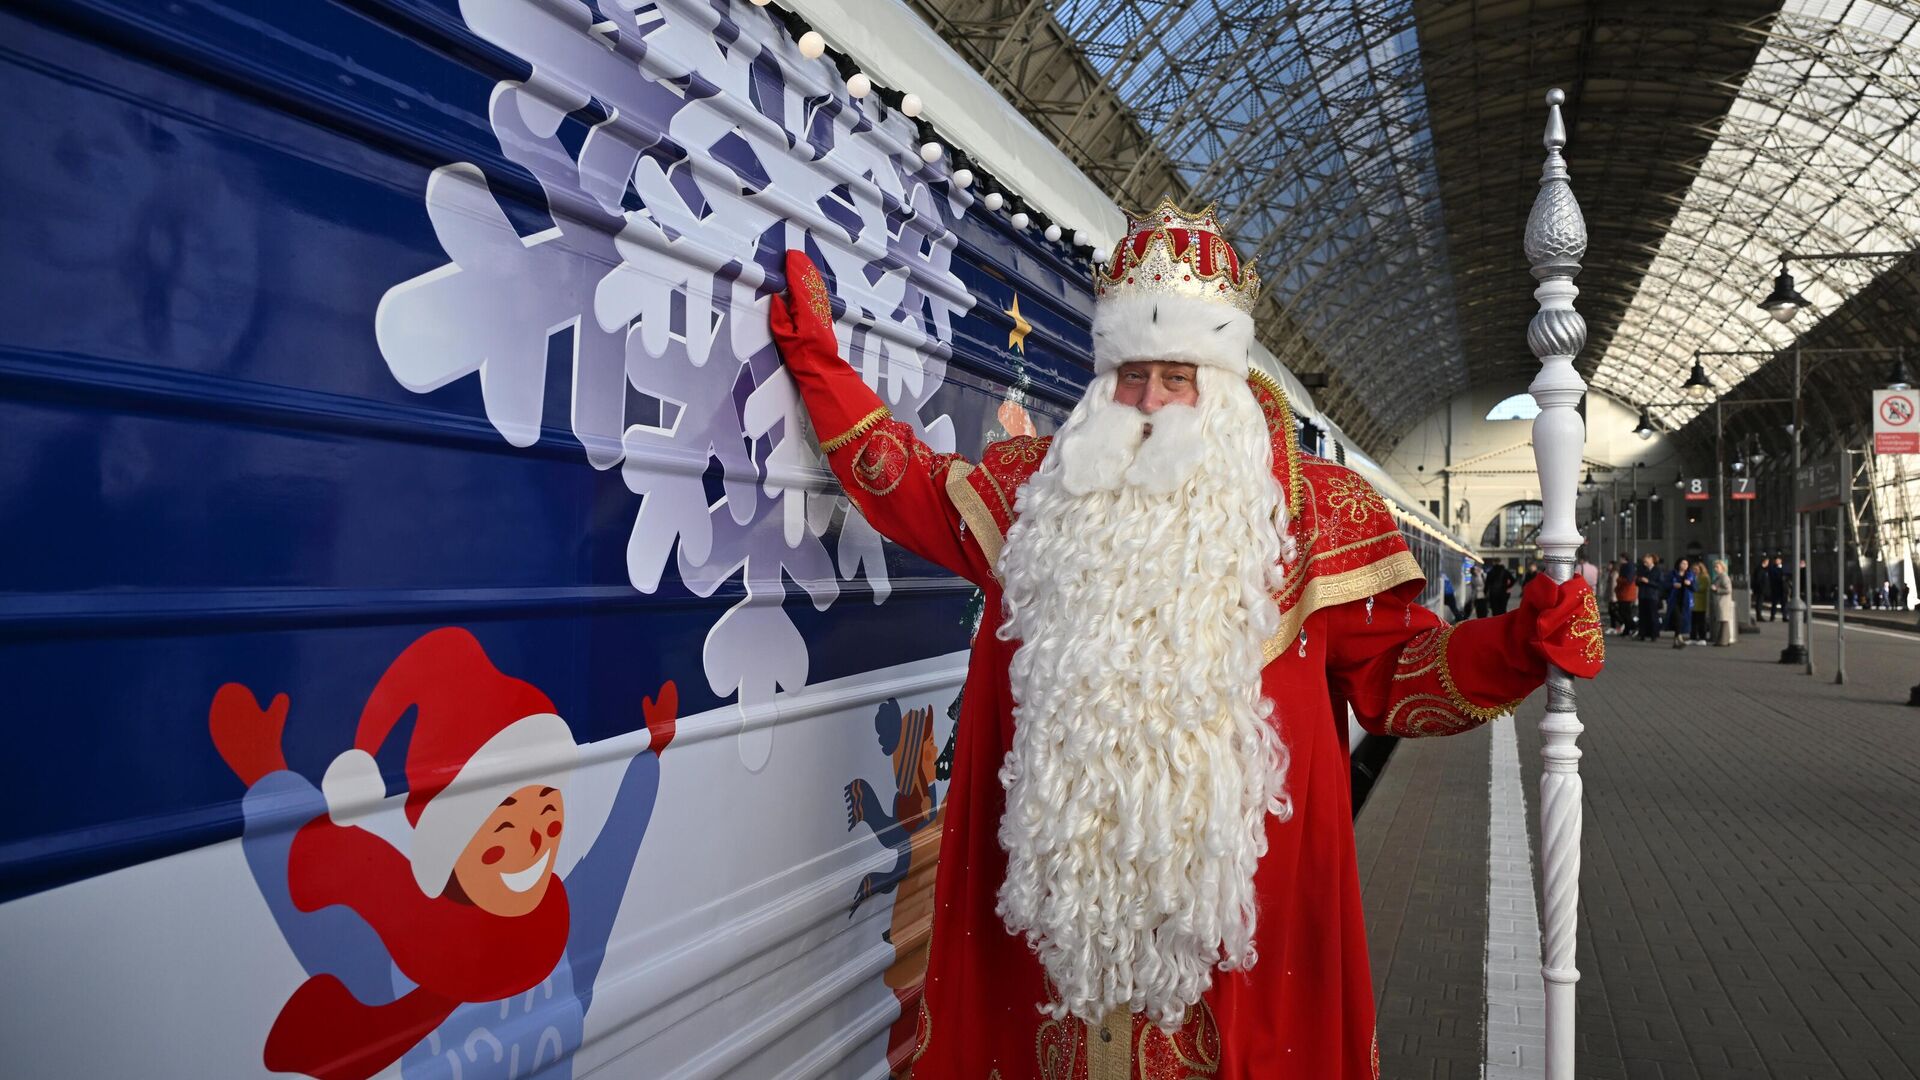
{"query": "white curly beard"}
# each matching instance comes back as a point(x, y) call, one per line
point(1144, 762)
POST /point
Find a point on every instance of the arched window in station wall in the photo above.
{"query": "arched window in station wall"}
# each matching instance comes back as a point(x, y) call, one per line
point(1517, 407)
point(1516, 524)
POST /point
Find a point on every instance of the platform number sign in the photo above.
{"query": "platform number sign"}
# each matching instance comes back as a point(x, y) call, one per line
point(1896, 427)
point(1698, 489)
point(1741, 488)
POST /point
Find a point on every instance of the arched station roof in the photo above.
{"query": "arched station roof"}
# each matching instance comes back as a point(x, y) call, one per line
point(1378, 159)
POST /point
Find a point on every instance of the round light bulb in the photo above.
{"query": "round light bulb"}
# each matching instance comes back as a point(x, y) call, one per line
point(761, 3)
point(858, 85)
point(1052, 232)
point(812, 45)
point(931, 152)
point(911, 105)
point(994, 200)
point(1020, 220)
point(963, 178)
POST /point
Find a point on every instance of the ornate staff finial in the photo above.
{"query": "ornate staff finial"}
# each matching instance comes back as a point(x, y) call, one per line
point(1555, 241)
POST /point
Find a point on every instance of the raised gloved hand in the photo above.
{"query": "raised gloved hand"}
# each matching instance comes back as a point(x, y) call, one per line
point(1559, 624)
point(801, 322)
point(802, 318)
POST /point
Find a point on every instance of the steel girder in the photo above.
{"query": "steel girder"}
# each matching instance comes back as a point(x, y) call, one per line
point(1376, 158)
point(1818, 153)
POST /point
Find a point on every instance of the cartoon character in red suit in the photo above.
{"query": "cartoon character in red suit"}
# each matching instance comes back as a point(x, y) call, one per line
point(438, 934)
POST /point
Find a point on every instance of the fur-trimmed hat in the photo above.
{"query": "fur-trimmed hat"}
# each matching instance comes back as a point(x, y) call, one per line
point(1174, 290)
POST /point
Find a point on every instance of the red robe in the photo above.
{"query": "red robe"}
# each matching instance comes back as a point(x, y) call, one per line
point(1351, 634)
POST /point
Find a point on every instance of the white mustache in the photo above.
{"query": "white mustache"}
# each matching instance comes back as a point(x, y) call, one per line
point(1107, 448)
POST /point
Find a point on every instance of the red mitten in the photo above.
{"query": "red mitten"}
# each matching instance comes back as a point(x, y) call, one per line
point(805, 314)
point(1563, 624)
point(801, 322)
point(247, 736)
point(662, 717)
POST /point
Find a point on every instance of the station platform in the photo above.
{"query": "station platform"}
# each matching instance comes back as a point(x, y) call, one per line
point(1750, 894)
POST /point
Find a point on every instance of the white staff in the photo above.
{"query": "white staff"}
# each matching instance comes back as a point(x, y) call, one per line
point(1556, 239)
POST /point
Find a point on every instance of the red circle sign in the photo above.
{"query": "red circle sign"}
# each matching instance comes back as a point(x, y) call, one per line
point(1896, 411)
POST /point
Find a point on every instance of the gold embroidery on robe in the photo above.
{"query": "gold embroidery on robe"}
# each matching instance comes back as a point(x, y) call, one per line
point(1586, 630)
point(881, 463)
point(1057, 1047)
point(1191, 1053)
point(1350, 495)
point(813, 292)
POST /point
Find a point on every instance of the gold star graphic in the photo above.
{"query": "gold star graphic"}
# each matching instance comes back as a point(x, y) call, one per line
point(1017, 337)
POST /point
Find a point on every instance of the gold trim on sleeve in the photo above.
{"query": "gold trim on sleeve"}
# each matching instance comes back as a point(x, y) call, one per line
point(973, 511)
point(1334, 589)
point(865, 425)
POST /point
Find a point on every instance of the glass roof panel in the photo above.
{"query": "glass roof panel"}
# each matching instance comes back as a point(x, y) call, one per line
point(1308, 123)
point(1818, 154)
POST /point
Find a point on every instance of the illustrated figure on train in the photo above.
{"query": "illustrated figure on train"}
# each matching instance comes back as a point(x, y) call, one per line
point(437, 933)
point(907, 740)
point(1147, 856)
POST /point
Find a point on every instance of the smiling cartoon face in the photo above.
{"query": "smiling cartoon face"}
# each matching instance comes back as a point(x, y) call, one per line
point(508, 863)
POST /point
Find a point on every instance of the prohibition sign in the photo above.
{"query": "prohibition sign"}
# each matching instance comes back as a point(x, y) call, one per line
point(1896, 427)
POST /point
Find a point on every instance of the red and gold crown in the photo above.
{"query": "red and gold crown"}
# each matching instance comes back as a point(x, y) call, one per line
point(1171, 252)
point(1174, 290)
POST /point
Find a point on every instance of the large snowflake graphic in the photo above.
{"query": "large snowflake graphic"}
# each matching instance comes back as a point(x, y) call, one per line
point(710, 146)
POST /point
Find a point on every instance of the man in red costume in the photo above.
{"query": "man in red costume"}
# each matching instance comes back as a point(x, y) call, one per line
point(1147, 867)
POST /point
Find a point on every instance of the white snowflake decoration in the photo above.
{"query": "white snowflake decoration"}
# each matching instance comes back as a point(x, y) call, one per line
point(650, 270)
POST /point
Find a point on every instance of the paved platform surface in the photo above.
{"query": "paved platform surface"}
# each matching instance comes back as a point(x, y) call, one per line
point(1750, 901)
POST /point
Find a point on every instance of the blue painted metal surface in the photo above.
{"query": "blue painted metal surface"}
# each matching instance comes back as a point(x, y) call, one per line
point(210, 473)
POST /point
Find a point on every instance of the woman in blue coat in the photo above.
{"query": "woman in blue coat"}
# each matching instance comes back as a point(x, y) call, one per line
point(1680, 602)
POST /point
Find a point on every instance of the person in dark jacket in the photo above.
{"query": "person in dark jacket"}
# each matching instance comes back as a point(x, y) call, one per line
point(1499, 586)
point(1647, 582)
point(1680, 602)
point(1626, 597)
point(1776, 589)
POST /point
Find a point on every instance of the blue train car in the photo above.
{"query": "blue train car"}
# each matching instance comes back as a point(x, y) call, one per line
point(435, 646)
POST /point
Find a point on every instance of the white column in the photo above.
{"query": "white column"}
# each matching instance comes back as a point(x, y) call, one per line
point(1555, 241)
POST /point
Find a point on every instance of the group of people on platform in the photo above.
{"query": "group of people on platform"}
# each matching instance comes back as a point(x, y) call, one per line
point(1887, 596)
point(1692, 600)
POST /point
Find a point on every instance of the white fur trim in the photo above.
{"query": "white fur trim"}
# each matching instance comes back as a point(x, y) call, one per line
point(1171, 327)
point(352, 786)
point(535, 749)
